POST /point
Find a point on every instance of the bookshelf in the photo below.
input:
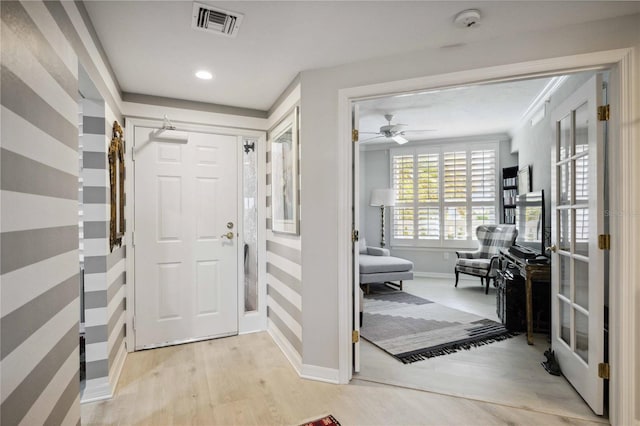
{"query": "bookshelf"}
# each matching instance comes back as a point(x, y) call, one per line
point(509, 193)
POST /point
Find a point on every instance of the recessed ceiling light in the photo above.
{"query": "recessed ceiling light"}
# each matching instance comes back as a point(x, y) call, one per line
point(204, 75)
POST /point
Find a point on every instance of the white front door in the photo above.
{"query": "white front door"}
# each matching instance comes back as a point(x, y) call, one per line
point(578, 270)
point(185, 232)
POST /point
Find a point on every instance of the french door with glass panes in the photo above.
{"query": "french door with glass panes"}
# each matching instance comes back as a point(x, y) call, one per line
point(578, 271)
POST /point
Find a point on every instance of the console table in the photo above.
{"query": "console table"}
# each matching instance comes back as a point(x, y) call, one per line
point(531, 272)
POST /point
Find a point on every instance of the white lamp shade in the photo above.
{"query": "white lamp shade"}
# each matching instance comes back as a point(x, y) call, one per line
point(383, 197)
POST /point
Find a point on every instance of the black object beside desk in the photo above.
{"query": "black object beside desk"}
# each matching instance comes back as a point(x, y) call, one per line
point(531, 271)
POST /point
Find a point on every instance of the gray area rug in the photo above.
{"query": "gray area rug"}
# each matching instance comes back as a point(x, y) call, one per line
point(413, 329)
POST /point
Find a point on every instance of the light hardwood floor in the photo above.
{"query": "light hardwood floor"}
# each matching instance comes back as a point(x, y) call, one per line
point(246, 380)
point(507, 372)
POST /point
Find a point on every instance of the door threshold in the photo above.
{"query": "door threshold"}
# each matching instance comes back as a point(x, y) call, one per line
point(184, 342)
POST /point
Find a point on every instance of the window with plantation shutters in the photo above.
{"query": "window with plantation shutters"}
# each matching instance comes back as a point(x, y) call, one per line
point(443, 193)
point(483, 188)
point(403, 169)
point(483, 175)
point(428, 192)
point(455, 176)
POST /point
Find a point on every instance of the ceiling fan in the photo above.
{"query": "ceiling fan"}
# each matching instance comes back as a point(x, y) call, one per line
point(392, 131)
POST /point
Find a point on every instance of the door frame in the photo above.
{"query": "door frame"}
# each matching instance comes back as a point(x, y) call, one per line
point(247, 322)
point(624, 203)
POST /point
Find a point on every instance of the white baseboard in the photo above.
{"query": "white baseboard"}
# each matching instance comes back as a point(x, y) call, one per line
point(96, 390)
point(289, 352)
point(116, 369)
point(305, 371)
point(443, 275)
point(320, 374)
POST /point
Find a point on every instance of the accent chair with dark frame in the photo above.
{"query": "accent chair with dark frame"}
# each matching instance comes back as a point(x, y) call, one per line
point(484, 262)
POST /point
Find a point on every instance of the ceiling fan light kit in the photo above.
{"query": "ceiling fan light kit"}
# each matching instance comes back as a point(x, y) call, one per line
point(400, 139)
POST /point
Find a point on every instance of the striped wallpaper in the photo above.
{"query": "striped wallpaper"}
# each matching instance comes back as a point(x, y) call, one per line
point(104, 271)
point(284, 282)
point(42, 46)
point(96, 227)
point(39, 266)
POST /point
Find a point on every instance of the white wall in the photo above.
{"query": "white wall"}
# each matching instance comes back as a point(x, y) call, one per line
point(320, 160)
point(534, 143)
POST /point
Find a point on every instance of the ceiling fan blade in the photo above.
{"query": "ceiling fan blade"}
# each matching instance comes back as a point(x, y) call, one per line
point(399, 139)
point(370, 139)
point(419, 131)
point(369, 133)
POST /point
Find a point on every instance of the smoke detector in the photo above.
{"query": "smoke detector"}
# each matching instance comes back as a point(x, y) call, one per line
point(215, 20)
point(467, 18)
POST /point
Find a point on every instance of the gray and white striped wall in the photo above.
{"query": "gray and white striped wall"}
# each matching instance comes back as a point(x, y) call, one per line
point(284, 282)
point(42, 46)
point(39, 240)
point(104, 271)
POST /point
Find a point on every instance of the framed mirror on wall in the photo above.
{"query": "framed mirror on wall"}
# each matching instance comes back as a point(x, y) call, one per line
point(116, 178)
point(284, 175)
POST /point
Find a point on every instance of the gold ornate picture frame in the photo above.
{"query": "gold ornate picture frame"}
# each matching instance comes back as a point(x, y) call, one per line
point(116, 179)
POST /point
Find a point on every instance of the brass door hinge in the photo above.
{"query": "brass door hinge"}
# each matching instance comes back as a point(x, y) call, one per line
point(604, 242)
point(355, 135)
point(355, 236)
point(603, 370)
point(603, 113)
point(355, 336)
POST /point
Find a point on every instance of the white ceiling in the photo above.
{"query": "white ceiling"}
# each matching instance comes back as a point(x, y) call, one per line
point(466, 111)
point(154, 51)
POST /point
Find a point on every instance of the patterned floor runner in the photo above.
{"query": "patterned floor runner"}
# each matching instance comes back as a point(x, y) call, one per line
point(413, 329)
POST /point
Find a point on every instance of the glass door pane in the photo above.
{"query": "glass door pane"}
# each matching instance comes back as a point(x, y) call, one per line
point(250, 237)
point(578, 266)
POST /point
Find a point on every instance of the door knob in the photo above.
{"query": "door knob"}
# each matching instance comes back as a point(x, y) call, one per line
point(228, 235)
point(552, 248)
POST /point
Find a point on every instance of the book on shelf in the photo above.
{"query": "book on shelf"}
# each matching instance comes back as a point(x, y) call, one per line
point(509, 196)
point(509, 216)
point(510, 181)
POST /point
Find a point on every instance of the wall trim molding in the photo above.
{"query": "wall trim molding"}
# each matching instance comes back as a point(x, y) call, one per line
point(96, 390)
point(443, 275)
point(138, 98)
point(321, 374)
point(624, 158)
point(289, 352)
point(623, 200)
point(118, 365)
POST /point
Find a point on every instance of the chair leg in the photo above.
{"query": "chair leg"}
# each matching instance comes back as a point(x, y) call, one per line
point(481, 281)
point(400, 285)
point(487, 289)
point(457, 276)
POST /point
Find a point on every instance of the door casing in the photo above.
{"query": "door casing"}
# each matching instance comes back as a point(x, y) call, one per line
point(623, 159)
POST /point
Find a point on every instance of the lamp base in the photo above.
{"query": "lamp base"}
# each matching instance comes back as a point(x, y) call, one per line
point(382, 243)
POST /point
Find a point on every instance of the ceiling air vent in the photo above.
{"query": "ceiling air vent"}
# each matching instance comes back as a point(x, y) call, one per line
point(216, 20)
